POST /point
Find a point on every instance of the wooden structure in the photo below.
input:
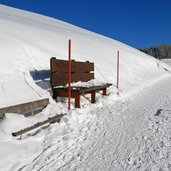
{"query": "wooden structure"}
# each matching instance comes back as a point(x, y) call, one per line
point(80, 71)
point(47, 122)
point(27, 109)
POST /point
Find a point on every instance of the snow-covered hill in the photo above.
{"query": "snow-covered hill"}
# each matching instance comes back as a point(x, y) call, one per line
point(27, 42)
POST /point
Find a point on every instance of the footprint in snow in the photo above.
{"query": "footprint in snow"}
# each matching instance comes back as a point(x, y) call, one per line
point(148, 143)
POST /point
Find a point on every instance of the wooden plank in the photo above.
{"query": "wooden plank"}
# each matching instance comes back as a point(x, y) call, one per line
point(96, 88)
point(50, 120)
point(64, 93)
point(82, 90)
point(58, 65)
point(82, 66)
point(28, 108)
point(62, 79)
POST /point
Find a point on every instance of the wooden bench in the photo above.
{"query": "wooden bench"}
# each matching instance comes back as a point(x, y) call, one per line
point(80, 71)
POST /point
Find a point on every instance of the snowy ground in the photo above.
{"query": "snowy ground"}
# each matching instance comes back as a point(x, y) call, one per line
point(168, 61)
point(127, 130)
point(133, 133)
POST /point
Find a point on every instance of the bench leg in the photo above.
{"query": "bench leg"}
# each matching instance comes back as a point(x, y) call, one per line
point(104, 91)
point(77, 101)
point(93, 96)
point(54, 96)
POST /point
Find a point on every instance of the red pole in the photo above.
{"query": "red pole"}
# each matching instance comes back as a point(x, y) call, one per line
point(117, 82)
point(69, 75)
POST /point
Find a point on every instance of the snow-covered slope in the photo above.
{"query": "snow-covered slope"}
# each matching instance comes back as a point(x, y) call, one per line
point(27, 42)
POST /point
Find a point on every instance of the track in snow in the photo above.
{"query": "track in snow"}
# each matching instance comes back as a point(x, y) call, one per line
point(132, 134)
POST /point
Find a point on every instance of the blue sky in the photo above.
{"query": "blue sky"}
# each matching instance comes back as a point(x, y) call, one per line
point(139, 23)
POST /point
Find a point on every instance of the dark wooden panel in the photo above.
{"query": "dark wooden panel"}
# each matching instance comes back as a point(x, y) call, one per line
point(62, 78)
point(82, 66)
point(58, 65)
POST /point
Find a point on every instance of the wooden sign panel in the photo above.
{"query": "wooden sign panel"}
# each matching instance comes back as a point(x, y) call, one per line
point(80, 71)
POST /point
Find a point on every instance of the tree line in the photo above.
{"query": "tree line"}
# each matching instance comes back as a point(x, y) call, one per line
point(159, 52)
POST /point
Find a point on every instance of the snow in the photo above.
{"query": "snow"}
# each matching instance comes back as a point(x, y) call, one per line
point(127, 130)
point(167, 61)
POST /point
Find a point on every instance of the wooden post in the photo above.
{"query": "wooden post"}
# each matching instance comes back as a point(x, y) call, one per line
point(117, 81)
point(69, 75)
point(77, 101)
point(93, 96)
point(104, 91)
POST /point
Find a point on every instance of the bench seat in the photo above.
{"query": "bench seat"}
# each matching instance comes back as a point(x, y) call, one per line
point(76, 92)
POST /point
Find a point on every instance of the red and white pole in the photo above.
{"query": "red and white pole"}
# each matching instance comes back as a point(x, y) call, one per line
point(69, 75)
point(117, 81)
